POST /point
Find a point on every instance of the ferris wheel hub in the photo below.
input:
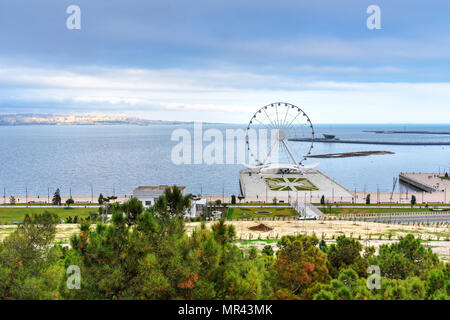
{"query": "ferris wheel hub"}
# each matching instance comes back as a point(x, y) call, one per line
point(281, 135)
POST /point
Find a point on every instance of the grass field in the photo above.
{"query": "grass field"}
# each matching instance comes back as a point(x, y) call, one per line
point(281, 204)
point(348, 204)
point(259, 212)
point(369, 210)
point(45, 204)
point(8, 215)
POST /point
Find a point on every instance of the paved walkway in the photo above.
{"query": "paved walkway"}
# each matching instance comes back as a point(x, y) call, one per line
point(37, 206)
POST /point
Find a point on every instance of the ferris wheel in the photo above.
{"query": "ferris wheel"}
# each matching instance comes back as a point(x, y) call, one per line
point(284, 121)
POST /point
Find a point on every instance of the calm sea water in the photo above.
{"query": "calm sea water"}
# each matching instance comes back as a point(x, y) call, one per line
point(119, 158)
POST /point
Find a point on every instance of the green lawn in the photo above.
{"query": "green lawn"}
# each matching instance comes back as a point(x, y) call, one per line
point(348, 204)
point(45, 204)
point(259, 212)
point(8, 215)
point(368, 210)
point(260, 204)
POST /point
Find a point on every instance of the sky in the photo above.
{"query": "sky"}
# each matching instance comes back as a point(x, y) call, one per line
point(221, 60)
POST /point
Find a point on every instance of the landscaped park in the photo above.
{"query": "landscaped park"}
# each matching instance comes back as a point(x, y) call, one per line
point(15, 215)
point(368, 209)
point(256, 212)
point(290, 184)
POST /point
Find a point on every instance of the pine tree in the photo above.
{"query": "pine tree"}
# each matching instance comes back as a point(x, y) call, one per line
point(56, 198)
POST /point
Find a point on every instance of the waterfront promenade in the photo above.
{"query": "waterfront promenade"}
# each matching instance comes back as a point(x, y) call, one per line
point(358, 197)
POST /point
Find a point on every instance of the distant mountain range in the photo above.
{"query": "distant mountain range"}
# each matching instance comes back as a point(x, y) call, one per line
point(49, 119)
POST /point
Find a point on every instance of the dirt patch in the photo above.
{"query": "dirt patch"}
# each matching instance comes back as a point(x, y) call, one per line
point(261, 227)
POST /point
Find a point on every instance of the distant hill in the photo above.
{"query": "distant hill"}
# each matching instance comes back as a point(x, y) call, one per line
point(49, 119)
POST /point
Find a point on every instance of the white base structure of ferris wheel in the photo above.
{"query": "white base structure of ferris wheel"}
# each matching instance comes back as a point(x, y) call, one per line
point(284, 121)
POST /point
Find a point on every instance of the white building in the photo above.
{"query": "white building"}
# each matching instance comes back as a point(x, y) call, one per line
point(148, 195)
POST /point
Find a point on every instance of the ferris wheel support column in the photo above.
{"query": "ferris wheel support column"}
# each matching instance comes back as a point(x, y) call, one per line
point(270, 151)
point(290, 153)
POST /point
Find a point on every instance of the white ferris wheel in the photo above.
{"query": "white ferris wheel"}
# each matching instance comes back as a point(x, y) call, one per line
point(283, 121)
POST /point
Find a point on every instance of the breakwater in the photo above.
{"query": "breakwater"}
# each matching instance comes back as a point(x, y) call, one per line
point(407, 132)
point(396, 143)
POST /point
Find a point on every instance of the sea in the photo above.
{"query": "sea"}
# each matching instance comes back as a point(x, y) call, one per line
point(115, 159)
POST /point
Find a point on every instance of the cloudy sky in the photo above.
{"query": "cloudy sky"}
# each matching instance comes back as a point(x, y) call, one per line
point(219, 60)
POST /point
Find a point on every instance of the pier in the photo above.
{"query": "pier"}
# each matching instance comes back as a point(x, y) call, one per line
point(397, 143)
point(427, 182)
point(408, 132)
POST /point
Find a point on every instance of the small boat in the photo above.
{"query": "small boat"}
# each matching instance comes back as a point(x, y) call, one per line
point(329, 136)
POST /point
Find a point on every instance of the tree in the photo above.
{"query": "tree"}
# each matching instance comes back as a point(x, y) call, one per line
point(299, 265)
point(12, 200)
point(56, 198)
point(69, 202)
point(233, 199)
point(28, 260)
point(101, 199)
point(172, 204)
point(322, 200)
point(323, 246)
point(147, 262)
point(446, 175)
point(413, 200)
point(344, 254)
point(223, 233)
point(131, 209)
point(406, 258)
point(170, 208)
point(347, 286)
point(274, 200)
point(368, 199)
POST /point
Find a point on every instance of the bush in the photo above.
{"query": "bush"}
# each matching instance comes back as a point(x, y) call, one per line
point(268, 250)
